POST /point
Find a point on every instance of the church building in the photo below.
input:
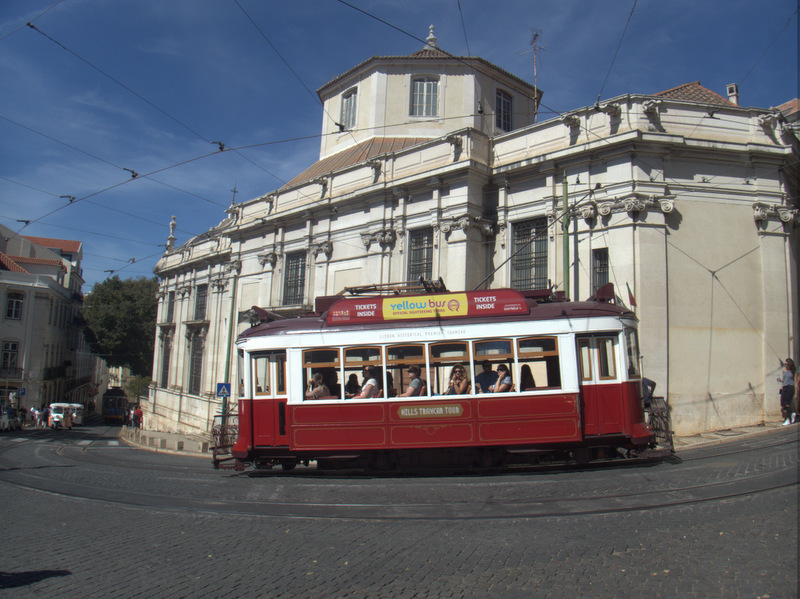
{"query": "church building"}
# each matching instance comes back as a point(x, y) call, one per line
point(433, 165)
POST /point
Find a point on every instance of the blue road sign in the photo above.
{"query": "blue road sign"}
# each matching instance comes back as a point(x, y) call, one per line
point(223, 389)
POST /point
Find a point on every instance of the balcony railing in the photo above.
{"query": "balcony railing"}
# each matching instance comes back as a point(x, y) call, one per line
point(11, 373)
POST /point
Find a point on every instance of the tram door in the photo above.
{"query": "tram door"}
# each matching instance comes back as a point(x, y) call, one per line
point(601, 390)
point(269, 399)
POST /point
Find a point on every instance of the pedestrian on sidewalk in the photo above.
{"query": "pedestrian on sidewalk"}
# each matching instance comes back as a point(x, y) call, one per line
point(787, 381)
point(138, 416)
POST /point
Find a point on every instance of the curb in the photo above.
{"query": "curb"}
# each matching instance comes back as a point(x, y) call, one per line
point(199, 446)
point(725, 435)
point(167, 442)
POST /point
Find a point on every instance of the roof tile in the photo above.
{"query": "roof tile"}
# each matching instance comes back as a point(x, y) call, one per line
point(361, 152)
point(65, 245)
point(694, 92)
point(7, 263)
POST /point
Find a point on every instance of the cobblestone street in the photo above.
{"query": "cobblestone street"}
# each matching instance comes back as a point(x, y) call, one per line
point(745, 547)
point(219, 537)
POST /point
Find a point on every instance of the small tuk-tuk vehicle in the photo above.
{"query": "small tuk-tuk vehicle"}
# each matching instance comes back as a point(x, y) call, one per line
point(77, 413)
point(60, 415)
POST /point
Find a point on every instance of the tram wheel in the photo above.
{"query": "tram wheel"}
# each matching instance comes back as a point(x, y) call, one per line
point(288, 466)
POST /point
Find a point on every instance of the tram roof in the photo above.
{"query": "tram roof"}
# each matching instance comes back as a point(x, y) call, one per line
point(534, 311)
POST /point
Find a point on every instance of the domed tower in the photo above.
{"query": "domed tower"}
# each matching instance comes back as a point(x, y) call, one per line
point(396, 101)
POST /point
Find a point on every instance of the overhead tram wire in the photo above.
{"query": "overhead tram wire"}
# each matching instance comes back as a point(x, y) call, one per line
point(108, 162)
point(619, 45)
point(36, 18)
point(772, 43)
point(220, 145)
point(289, 66)
point(73, 200)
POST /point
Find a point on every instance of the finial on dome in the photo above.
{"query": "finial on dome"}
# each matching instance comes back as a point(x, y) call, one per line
point(431, 39)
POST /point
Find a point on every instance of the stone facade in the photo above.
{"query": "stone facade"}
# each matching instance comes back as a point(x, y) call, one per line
point(684, 200)
point(45, 356)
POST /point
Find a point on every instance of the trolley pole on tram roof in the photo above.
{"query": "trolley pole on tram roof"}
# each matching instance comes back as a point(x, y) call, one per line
point(565, 232)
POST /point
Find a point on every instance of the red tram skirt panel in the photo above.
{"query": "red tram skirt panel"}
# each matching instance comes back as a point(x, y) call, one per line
point(437, 422)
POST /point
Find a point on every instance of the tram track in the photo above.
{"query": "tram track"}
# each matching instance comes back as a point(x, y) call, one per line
point(306, 494)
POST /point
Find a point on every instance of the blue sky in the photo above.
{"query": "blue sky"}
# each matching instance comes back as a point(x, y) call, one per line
point(101, 86)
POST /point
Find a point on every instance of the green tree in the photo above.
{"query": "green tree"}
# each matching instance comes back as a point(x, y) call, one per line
point(136, 386)
point(121, 322)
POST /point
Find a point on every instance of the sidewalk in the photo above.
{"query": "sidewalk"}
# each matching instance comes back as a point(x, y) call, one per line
point(717, 437)
point(200, 445)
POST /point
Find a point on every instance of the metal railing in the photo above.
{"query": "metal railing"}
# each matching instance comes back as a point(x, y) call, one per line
point(224, 434)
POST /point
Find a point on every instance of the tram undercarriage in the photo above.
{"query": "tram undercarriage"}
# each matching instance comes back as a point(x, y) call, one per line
point(472, 459)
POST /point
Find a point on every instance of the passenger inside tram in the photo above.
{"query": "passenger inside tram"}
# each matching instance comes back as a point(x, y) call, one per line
point(317, 388)
point(415, 385)
point(504, 381)
point(526, 380)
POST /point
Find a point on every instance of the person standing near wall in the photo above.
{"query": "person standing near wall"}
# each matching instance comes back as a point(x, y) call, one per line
point(787, 381)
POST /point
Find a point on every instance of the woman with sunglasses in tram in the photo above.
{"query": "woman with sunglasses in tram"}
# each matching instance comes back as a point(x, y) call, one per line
point(504, 382)
point(459, 383)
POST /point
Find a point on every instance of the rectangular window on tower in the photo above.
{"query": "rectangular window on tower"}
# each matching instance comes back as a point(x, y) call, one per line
point(529, 264)
point(348, 115)
point(599, 268)
point(420, 254)
point(294, 281)
point(502, 110)
point(425, 96)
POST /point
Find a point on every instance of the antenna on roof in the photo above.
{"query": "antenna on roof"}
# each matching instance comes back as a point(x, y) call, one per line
point(535, 45)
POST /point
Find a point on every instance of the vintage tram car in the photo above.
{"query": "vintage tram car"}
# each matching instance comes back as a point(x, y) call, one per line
point(575, 387)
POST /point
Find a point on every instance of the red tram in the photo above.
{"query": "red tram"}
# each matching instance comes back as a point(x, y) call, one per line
point(575, 387)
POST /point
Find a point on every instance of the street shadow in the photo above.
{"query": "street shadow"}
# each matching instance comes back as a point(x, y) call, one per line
point(10, 580)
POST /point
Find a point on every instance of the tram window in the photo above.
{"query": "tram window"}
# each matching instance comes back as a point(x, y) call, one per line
point(495, 351)
point(325, 362)
point(399, 358)
point(356, 358)
point(539, 364)
point(444, 356)
point(584, 349)
point(240, 369)
point(632, 346)
point(261, 375)
point(605, 358)
point(280, 374)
